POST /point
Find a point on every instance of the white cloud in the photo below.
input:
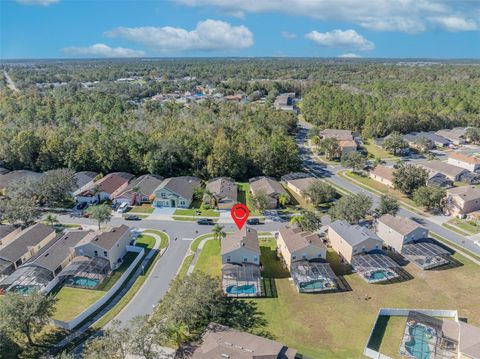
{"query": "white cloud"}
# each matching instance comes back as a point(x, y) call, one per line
point(409, 16)
point(456, 23)
point(350, 55)
point(209, 35)
point(288, 35)
point(102, 50)
point(348, 39)
point(38, 2)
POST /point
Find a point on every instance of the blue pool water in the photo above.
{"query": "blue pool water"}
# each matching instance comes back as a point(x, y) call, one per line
point(315, 284)
point(378, 275)
point(242, 289)
point(23, 290)
point(85, 282)
point(418, 346)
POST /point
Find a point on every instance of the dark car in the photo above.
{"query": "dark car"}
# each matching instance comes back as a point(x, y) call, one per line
point(253, 221)
point(132, 217)
point(205, 221)
point(81, 206)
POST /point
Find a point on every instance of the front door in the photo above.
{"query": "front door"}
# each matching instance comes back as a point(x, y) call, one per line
point(172, 203)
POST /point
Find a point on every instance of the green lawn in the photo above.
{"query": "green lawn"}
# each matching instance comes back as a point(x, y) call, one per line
point(117, 273)
point(73, 301)
point(196, 212)
point(337, 325)
point(145, 241)
point(163, 236)
point(209, 260)
point(375, 150)
point(467, 226)
point(144, 208)
point(245, 197)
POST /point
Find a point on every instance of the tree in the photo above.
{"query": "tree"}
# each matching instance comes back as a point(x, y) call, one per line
point(21, 210)
point(320, 192)
point(388, 205)
point(423, 144)
point(218, 232)
point(316, 140)
point(102, 213)
point(330, 147)
point(26, 314)
point(431, 198)
point(395, 144)
point(55, 186)
point(8, 347)
point(261, 200)
point(307, 221)
point(407, 178)
point(352, 208)
point(146, 337)
point(354, 160)
point(112, 344)
point(51, 219)
point(473, 134)
point(283, 199)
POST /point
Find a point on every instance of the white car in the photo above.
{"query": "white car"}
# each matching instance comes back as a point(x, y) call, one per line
point(122, 208)
point(477, 243)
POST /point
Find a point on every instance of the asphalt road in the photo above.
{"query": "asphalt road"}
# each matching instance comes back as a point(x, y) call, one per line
point(331, 173)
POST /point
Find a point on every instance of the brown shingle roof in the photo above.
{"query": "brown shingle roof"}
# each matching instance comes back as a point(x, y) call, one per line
point(467, 193)
point(25, 240)
point(296, 239)
point(271, 186)
point(221, 342)
point(113, 181)
point(223, 187)
point(465, 158)
point(302, 183)
point(146, 184)
point(383, 172)
point(105, 240)
point(442, 167)
point(339, 135)
point(402, 225)
point(246, 237)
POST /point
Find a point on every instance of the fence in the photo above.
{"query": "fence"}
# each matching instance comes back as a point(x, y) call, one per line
point(98, 304)
point(403, 312)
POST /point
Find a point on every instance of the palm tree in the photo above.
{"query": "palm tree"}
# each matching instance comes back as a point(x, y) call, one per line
point(218, 232)
point(283, 199)
point(212, 200)
point(51, 219)
point(316, 140)
point(296, 220)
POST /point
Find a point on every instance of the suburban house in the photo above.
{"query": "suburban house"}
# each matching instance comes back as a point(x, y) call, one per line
point(347, 140)
point(57, 254)
point(431, 139)
point(139, 190)
point(298, 182)
point(395, 231)
point(221, 342)
point(349, 240)
point(452, 172)
point(7, 234)
point(106, 188)
point(109, 244)
point(222, 192)
point(295, 245)
point(83, 180)
point(285, 102)
point(462, 200)
point(241, 247)
point(465, 161)
point(383, 175)
point(24, 245)
point(455, 135)
point(176, 192)
point(271, 187)
point(13, 176)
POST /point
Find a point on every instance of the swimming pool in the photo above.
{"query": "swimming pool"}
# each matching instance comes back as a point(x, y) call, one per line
point(84, 282)
point(241, 289)
point(316, 284)
point(378, 275)
point(418, 346)
point(23, 289)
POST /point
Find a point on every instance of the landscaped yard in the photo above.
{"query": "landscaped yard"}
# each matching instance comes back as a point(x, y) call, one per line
point(375, 150)
point(163, 236)
point(73, 301)
point(245, 197)
point(337, 325)
point(196, 212)
point(466, 226)
point(144, 208)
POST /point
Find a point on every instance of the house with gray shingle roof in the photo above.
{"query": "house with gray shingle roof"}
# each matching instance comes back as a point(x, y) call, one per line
point(268, 185)
point(241, 247)
point(397, 230)
point(176, 192)
point(224, 191)
point(83, 180)
point(140, 190)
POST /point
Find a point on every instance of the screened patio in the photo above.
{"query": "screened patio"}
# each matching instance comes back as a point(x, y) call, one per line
point(241, 280)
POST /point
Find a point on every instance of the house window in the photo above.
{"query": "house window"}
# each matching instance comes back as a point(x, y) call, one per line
point(255, 259)
point(105, 254)
point(294, 256)
point(304, 255)
point(319, 255)
point(245, 259)
point(182, 203)
point(95, 253)
point(228, 259)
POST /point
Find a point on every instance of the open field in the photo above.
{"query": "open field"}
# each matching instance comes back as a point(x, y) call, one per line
point(337, 325)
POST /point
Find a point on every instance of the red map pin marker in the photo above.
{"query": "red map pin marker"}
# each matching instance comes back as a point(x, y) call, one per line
point(240, 214)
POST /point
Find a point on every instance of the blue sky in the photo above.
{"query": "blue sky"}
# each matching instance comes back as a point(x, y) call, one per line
point(316, 28)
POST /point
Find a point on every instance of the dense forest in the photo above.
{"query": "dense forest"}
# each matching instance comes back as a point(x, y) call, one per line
point(58, 119)
point(91, 130)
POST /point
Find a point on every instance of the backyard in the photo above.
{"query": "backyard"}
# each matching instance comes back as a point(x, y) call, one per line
point(337, 325)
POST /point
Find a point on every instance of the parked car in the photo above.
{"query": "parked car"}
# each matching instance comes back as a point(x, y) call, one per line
point(477, 243)
point(132, 217)
point(122, 208)
point(205, 221)
point(253, 221)
point(81, 206)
